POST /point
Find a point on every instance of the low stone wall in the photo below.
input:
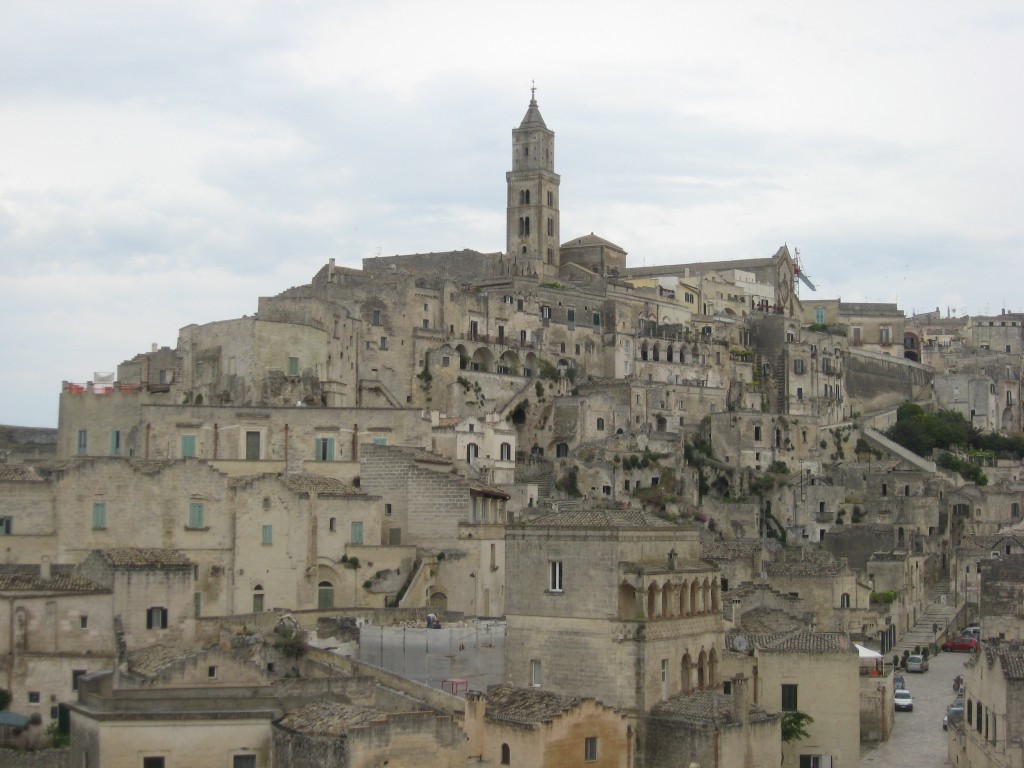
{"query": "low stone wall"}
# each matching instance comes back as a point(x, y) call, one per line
point(40, 758)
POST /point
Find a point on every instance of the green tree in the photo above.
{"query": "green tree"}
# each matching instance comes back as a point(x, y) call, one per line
point(794, 725)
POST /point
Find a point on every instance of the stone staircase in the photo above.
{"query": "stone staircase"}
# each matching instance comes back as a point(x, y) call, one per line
point(935, 613)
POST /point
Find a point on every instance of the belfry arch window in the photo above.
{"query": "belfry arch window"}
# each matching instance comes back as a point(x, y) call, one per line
point(551, 226)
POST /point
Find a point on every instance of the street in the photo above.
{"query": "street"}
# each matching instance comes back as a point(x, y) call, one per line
point(917, 740)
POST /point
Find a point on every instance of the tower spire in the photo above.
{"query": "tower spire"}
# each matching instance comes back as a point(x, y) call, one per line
point(533, 93)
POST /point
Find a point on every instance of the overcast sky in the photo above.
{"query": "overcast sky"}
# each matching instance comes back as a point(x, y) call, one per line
point(168, 163)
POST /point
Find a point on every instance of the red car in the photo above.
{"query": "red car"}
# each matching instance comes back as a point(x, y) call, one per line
point(960, 644)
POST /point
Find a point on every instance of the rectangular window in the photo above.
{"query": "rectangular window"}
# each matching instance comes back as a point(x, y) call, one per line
point(357, 533)
point(243, 761)
point(257, 602)
point(293, 366)
point(535, 673)
point(376, 317)
point(33, 697)
point(798, 365)
point(83, 622)
point(83, 442)
point(188, 446)
point(197, 604)
point(152, 762)
point(268, 534)
point(6, 525)
point(252, 446)
point(815, 761)
point(597, 320)
point(156, 618)
point(196, 515)
point(789, 703)
point(590, 749)
point(99, 515)
point(545, 312)
point(332, 524)
point(383, 342)
point(387, 509)
point(555, 575)
point(380, 441)
point(570, 318)
point(115, 442)
point(325, 449)
point(819, 315)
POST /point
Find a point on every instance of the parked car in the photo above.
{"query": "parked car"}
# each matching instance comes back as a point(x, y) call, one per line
point(898, 681)
point(961, 643)
point(972, 631)
point(917, 663)
point(904, 701)
point(954, 713)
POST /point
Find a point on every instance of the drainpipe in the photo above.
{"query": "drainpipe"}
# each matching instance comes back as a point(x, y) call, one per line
point(148, 429)
point(216, 438)
point(286, 448)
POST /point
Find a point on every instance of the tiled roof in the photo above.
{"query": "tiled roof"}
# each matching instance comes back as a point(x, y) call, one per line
point(600, 518)
point(449, 423)
point(767, 620)
point(487, 490)
point(803, 641)
point(27, 578)
point(1011, 659)
point(805, 568)
point(702, 706)
point(888, 557)
point(730, 550)
point(329, 718)
point(151, 466)
point(154, 659)
point(526, 706)
point(133, 557)
point(19, 473)
point(321, 485)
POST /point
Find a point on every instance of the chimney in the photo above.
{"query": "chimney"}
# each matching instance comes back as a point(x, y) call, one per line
point(740, 699)
point(44, 568)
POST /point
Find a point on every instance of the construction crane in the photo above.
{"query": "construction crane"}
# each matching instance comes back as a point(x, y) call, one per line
point(798, 271)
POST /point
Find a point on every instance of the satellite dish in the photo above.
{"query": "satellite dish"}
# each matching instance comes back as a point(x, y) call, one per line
point(740, 643)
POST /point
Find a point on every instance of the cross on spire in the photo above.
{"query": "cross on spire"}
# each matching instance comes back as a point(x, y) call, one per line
point(533, 91)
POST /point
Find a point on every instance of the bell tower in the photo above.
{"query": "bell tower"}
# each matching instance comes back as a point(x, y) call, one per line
point(532, 229)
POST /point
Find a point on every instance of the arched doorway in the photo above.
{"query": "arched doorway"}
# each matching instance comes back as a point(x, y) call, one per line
point(438, 602)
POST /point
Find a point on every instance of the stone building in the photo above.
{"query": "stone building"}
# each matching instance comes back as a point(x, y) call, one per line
point(1001, 600)
point(55, 627)
point(990, 733)
point(712, 728)
point(624, 590)
point(529, 726)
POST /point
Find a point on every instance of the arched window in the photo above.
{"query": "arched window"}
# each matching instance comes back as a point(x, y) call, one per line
point(506, 451)
point(257, 599)
point(526, 226)
point(844, 600)
point(561, 450)
point(600, 425)
point(438, 602)
point(325, 596)
point(506, 755)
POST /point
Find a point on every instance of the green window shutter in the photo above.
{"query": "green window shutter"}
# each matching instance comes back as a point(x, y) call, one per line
point(324, 449)
point(330, 449)
point(115, 442)
point(357, 533)
point(195, 515)
point(268, 534)
point(188, 446)
point(293, 366)
point(99, 515)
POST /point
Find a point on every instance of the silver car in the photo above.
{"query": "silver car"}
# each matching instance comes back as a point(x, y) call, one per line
point(917, 663)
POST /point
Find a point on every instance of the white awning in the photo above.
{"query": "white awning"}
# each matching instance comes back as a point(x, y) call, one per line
point(867, 653)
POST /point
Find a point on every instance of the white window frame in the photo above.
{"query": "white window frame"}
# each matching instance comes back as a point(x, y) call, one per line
point(555, 573)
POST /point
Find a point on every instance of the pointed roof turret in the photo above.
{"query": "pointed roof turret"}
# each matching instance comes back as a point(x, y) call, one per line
point(532, 119)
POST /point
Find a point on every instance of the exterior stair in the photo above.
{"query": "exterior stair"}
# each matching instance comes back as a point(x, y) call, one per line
point(936, 613)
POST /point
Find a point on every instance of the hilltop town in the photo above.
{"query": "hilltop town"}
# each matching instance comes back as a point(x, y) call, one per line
point(529, 507)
